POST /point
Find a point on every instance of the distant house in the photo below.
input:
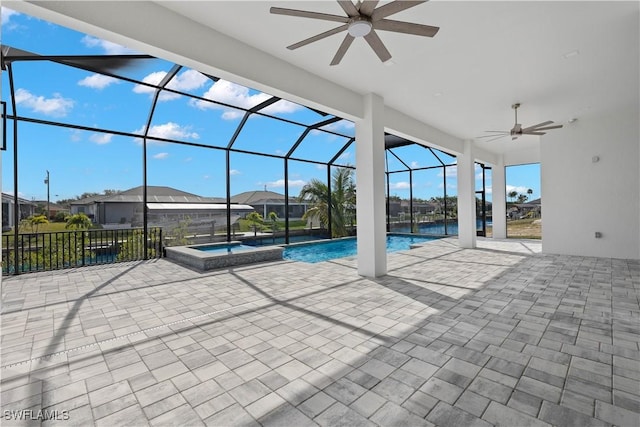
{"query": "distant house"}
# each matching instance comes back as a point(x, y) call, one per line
point(426, 207)
point(521, 210)
point(54, 208)
point(166, 207)
point(87, 206)
point(26, 208)
point(265, 202)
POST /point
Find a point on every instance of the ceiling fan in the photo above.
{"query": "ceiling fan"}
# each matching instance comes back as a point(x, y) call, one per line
point(362, 20)
point(518, 130)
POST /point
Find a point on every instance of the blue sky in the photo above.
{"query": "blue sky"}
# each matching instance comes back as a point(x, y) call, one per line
point(87, 161)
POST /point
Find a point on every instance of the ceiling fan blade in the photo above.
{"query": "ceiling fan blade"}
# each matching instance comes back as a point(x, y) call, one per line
point(367, 6)
point(493, 136)
point(318, 37)
point(547, 128)
point(394, 7)
point(405, 27)
point(348, 39)
point(348, 8)
point(377, 46)
point(308, 14)
point(538, 125)
point(533, 133)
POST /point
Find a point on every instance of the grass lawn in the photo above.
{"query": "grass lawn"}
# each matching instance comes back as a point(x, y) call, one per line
point(246, 225)
point(47, 228)
point(522, 229)
point(525, 229)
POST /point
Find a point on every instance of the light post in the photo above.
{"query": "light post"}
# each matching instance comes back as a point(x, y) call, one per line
point(46, 181)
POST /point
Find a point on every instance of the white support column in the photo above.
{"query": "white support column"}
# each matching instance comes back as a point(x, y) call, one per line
point(370, 197)
point(499, 200)
point(466, 197)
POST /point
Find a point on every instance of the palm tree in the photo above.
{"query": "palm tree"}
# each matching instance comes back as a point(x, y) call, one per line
point(513, 194)
point(79, 220)
point(36, 220)
point(343, 200)
point(273, 217)
point(256, 220)
point(529, 192)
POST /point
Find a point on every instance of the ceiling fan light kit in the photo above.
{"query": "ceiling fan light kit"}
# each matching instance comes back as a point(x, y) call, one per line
point(359, 27)
point(362, 20)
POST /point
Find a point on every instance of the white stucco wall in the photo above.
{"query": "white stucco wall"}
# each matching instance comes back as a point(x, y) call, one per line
point(582, 197)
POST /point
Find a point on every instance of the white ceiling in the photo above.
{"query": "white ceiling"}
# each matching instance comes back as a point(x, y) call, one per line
point(486, 56)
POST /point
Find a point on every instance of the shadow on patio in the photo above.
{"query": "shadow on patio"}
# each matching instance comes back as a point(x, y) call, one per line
point(448, 337)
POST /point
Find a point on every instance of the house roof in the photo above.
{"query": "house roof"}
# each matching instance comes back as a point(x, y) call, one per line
point(198, 206)
point(87, 200)
point(9, 197)
point(155, 194)
point(259, 197)
point(52, 206)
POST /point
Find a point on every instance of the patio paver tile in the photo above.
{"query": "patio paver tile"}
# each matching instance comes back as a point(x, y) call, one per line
point(495, 335)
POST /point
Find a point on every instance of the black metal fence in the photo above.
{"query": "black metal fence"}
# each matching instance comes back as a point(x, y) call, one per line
point(68, 249)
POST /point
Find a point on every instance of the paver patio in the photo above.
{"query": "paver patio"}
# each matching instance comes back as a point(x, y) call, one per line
point(499, 335)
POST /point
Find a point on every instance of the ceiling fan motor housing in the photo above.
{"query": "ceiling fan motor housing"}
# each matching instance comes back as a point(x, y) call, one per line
point(359, 26)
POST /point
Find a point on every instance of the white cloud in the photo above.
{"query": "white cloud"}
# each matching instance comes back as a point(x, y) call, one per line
point(101, 138)
point(452, 171)
point(342, 126)
point(399, 186)
point(7, 14)
point(282, 106)
point(235, 172)
point(168, 130)
point(57, 106)
point(339, 126)
point(414, 165)
point(237, 95)
point(185, 81)
point(97, 81)
point(449, 185)
point(161, 156)
point(280, 183)
point(346, 156)
point(108, 47)
point(76, 135)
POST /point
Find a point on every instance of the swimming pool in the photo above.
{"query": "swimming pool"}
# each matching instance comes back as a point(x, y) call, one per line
point(228, 248)
point(340, 248)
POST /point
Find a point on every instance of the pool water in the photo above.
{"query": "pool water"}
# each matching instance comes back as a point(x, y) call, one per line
point(225, 249)
point(325, 251)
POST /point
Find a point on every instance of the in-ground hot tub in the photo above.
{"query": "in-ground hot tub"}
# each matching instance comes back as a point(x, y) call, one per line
point(211, 256)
